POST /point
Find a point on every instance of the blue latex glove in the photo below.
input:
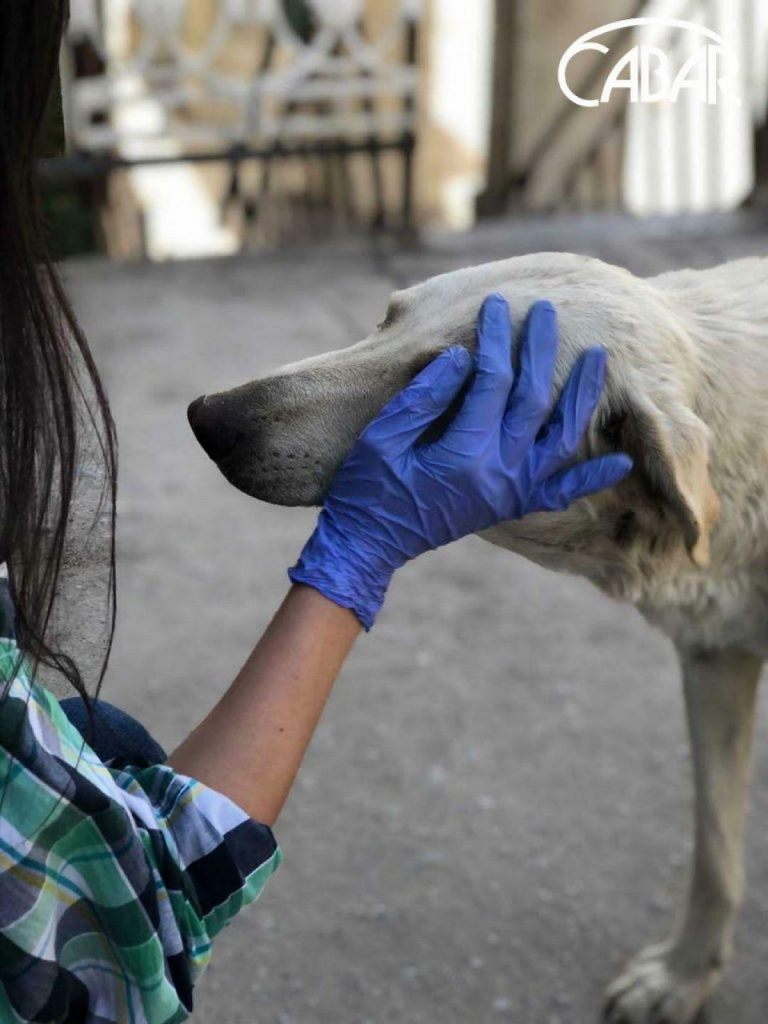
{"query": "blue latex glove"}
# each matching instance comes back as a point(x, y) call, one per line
point(394, 499)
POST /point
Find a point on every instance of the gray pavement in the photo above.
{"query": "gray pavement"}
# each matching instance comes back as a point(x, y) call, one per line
point(495, 810)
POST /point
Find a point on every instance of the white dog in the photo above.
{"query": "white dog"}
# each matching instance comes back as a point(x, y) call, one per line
point(685, 538)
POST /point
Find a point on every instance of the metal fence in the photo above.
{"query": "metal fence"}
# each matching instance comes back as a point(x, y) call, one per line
point(255, 85)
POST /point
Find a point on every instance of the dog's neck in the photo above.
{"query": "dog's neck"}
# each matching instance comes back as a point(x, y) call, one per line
point(726, 313)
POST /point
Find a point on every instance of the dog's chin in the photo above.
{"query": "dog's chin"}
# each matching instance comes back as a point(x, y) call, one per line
point(273, 488)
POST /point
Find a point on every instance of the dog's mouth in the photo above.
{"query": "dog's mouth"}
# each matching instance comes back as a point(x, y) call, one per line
point(273, 468)
point(540, 543)
point(515, 537)
point(291, 483)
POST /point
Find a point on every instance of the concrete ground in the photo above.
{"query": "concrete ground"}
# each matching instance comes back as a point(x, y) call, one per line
point(495, 811)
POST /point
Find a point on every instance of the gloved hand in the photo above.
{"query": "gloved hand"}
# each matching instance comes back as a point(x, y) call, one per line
point(394, 499)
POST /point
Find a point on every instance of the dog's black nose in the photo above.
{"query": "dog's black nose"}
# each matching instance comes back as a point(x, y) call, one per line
point(214, 434)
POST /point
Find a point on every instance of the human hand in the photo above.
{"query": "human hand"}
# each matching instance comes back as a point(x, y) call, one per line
point(500, 458)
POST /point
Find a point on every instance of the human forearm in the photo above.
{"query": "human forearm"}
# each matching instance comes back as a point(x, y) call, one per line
point(501, 457)
point(251, 744)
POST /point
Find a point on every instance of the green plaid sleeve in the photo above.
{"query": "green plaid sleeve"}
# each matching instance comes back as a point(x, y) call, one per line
point(113, 882)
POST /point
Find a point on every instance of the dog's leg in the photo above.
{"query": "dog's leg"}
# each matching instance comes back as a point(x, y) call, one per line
point(667, 983)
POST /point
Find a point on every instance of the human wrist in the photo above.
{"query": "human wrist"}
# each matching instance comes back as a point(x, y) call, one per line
point(344, 570)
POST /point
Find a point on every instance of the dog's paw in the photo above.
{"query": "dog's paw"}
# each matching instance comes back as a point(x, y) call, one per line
point(656, 989)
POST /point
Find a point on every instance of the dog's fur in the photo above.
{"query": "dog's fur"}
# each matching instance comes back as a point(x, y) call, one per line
point(685, 538)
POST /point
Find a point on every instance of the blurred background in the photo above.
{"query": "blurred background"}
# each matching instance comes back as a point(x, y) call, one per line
point(494, 813)
point(206, 127)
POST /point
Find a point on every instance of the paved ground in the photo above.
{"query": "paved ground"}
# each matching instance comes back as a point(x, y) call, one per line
point(494, 813)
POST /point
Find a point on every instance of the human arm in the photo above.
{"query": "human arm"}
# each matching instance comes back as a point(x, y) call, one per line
point(251, 744)
point(171, 860)
point(502, 457)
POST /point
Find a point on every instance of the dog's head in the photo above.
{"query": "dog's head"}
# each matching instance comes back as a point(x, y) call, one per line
point(282, 437)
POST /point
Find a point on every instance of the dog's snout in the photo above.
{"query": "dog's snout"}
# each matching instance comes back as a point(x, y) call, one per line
point(210, 428)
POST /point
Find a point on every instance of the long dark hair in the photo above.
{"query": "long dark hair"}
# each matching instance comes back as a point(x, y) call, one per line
point(47, 375)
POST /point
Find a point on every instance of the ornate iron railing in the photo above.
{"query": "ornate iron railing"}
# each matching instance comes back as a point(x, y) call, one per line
point(242, 81)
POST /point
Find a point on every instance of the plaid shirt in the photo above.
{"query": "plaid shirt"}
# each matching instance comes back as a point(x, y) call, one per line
point(113, 881)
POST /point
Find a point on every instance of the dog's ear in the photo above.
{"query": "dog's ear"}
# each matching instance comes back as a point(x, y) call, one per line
point(671, 453)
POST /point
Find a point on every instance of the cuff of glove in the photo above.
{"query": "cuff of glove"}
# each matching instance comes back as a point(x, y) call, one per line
point(340, 576)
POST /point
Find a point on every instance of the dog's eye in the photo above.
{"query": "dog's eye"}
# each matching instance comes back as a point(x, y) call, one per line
point(612, 429)
point(393, 314)
point(625, 528)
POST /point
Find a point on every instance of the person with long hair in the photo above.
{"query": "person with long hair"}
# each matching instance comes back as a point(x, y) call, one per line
point(119, 864)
